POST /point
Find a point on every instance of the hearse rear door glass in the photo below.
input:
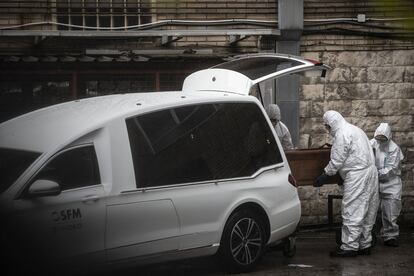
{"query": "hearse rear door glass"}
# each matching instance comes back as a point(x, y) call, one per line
point(263, 67)
point(242, 74)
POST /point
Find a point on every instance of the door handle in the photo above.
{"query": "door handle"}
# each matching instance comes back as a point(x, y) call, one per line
point(91, 198)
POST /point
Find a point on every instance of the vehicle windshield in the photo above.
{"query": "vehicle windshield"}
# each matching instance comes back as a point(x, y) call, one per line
point(12, 164)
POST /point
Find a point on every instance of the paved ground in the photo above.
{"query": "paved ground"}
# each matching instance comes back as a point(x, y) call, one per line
point(312, 258)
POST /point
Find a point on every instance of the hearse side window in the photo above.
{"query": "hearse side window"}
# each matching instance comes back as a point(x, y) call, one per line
point(74, 168)
point(206, 142)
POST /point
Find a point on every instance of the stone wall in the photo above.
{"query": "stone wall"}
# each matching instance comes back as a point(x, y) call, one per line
point(367, 85)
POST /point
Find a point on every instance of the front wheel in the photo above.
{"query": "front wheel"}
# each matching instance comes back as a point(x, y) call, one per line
point(243, 242)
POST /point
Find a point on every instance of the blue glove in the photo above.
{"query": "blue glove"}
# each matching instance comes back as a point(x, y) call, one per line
point(320, 180)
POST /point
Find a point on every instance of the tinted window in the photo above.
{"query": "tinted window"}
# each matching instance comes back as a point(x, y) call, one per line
point(199, 143)
point(12, 164)
point(73, 169)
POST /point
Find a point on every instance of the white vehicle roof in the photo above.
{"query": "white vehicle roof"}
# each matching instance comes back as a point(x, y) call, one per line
point(59, 125)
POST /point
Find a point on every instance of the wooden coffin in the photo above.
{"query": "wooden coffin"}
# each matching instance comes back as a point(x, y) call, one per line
point(307, 164)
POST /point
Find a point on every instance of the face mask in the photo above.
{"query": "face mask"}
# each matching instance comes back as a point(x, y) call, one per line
point(328, 128)
point(381, 138)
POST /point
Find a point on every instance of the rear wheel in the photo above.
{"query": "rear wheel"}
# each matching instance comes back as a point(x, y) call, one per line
point(243, 241)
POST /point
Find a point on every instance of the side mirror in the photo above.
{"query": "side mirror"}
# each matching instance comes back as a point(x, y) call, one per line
point(43, 187)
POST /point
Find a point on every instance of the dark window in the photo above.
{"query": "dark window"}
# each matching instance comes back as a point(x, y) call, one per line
point(19, 96)
point(109, 13)
point(171, 81)
point(90, 21)
point(104, 21)
point(77, 18)
point(200, 143)
point(132, 20)
point(12, 164)
point(105, 85)
point(73, 169)
point(119, 21)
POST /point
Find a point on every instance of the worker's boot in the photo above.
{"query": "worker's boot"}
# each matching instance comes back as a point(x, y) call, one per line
point(365, 251)
point(343, 253)
point(391, 242)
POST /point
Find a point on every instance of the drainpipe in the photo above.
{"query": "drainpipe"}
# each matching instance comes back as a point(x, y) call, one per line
point(290, 22)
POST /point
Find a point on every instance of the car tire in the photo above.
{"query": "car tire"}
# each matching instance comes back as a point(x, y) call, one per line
point(243, 242)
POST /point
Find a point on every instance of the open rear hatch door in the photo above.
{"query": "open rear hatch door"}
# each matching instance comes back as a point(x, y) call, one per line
point(243, 72)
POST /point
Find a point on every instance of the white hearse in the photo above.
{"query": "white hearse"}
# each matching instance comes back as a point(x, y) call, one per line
point(137, 178)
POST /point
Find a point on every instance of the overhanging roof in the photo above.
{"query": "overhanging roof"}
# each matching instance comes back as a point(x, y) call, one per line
point(140, 33)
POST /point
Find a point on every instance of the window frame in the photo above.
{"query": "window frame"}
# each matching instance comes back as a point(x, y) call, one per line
point(256, 174)
point(207, 182)
point(110, 10)
point(52, 158)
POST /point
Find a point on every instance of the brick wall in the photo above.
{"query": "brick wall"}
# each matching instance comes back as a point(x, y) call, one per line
point(219, 10)
point(372, 81)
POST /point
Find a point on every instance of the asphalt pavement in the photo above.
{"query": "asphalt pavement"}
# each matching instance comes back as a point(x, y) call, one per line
point(312, 258)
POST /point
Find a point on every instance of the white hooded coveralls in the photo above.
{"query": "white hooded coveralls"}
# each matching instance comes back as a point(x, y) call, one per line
point(353, 157)
point(388, 156)
point(281, 129)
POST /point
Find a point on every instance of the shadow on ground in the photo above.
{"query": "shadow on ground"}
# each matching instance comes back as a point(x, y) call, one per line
point(312, 258)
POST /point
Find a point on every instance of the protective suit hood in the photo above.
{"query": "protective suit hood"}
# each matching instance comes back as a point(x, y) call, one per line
point(274, 112)
point(334, 120)
point(384, 129)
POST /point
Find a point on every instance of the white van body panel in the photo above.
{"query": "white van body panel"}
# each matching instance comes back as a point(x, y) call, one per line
point(219, 80)
point(129, 223)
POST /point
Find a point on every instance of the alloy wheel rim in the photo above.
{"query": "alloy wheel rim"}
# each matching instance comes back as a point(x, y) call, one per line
point(246, 241)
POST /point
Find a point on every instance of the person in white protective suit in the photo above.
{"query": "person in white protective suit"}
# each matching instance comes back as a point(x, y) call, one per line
point(352, 156)
point(281, 129)
point(388, 156)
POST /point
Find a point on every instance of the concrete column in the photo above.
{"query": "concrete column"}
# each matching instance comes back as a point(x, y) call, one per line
point(290, 19)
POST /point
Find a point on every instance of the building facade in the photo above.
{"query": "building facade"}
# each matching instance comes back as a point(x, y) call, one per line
point(59, 50)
